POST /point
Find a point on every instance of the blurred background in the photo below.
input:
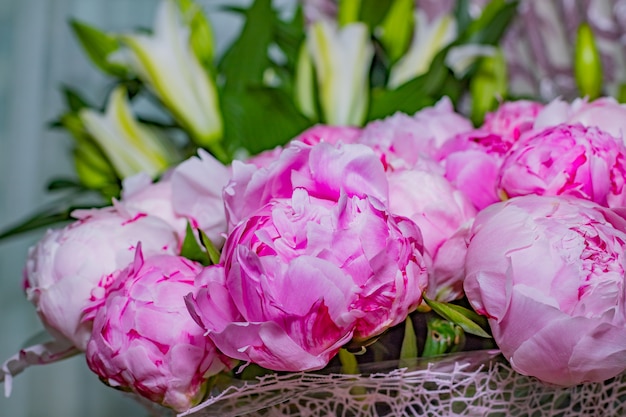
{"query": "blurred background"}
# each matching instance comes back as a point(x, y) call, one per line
point(37, 54)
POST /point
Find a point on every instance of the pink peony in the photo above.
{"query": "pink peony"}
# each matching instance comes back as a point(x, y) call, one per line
point(604, 113)
point(575, 160)
point(442, 213)
point(329, 134)
point(303, 276)
point(404, 139)
point(324, 170)
point(549, 272)
point(472, 159)
point(67, 264)
point(197, 187)
point(141, 196)
point(512, 119)
point(144, 339)
point(472, 163)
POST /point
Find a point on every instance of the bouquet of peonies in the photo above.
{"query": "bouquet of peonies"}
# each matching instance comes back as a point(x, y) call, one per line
point(373, 235)
point(335, 239)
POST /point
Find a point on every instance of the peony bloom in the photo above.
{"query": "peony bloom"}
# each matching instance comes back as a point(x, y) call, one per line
point(331, 134)
point(197, 187)
point(144, 339)
point(549, 272)
point(512, 119)
point(303, 276)
point(141, 196)
point(472, 159)
point(575, 160)
point(324, 170)
point(604, 113)
point(443, 215)
point(403, 140)
point(67, 264)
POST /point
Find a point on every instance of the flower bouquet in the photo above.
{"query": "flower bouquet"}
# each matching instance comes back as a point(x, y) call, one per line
point(376, 262)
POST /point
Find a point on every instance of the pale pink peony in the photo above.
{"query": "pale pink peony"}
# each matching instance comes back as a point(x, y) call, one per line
point(575, 160)
point(144, 339)
point(404, 140)
point(197, 187)
point(140, 196)
point(604, 113)
point(442, 213)
point(324, 170)
point(549, 272)
point(67, 264)
point(303, 276)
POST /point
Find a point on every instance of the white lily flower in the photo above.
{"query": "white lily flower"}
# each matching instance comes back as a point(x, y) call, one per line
point(132, 147)
point(428, 39)
point(166, 62)
point(342, 59)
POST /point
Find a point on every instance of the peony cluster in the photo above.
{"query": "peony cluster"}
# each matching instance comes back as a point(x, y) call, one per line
point(339, 235)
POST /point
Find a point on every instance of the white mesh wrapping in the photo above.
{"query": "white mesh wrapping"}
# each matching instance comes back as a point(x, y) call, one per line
point(461, 385)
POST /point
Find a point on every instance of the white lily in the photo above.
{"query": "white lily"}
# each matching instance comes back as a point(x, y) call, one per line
point(131, 146)
point(342, 59)
point(166, 62)
point(428, 39)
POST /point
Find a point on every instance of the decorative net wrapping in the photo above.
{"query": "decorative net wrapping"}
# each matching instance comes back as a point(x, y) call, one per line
point(474, 384)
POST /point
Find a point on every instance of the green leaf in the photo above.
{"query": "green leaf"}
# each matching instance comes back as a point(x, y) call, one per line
point(408, 350)
point(396, 29)
point(98, 45)
point(462, 15)
point(488, 86)
point(289, 36)
point(55, 213)
point(261, 106)
point(348, 11)
point(191, 249)
point(464, 317)
point(349, 364)
point(201, 36)
point(64, 184)
point(211, 250)
point(245, 62)
point(373, 12)
point(492, 23)
point(74, 101)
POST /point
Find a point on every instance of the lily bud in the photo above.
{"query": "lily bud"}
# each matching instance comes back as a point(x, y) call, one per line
point(167, 63)
point(131, 146)
point(342, 59)
point(587, 63)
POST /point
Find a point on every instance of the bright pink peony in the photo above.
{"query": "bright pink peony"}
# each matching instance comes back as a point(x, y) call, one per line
point(404, 139)
point(549, 272)
point(324, 170)
point(575, 160)
point(303, 276)
point(67, 264)
point(144, 339)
